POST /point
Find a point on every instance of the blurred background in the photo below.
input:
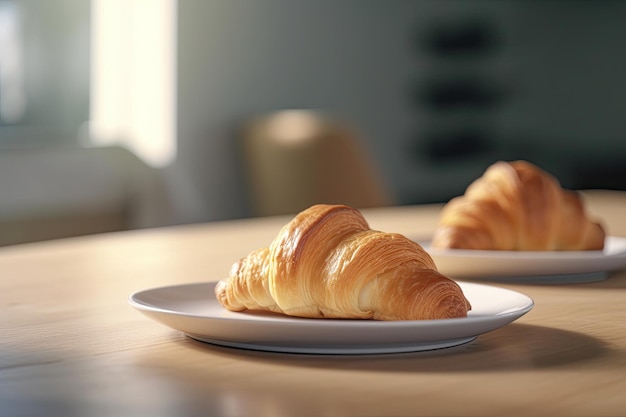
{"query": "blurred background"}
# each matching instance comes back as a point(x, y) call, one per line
point(124, 114)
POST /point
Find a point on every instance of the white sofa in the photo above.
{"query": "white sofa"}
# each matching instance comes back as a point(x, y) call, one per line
point(49, 193)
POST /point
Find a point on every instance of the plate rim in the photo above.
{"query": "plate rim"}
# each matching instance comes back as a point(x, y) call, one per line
point(534, 255)
point(303, 321)
point(531, 267)
point(400, 336)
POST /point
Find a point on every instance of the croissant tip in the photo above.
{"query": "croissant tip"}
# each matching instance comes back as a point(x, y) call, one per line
point(220, 292)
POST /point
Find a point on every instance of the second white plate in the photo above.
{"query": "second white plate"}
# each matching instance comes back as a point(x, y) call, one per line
point(194, 310)
point(558, 267)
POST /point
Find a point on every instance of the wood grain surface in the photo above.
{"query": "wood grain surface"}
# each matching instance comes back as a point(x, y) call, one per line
point(70, 345)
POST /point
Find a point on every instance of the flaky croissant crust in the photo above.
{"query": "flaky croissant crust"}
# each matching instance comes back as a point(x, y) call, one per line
point(517, 206)
point(328, 263)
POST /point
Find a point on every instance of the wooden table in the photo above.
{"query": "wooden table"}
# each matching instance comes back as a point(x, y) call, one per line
point(71, 345)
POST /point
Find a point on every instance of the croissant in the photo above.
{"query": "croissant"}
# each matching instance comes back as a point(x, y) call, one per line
point(328, 263)
point(517, 206)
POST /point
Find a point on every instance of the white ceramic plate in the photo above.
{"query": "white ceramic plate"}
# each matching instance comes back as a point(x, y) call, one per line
point(547, 267)
point(194, 310)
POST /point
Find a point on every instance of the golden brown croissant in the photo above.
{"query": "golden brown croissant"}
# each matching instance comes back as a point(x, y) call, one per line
point(517, 206)
point(327, 262)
